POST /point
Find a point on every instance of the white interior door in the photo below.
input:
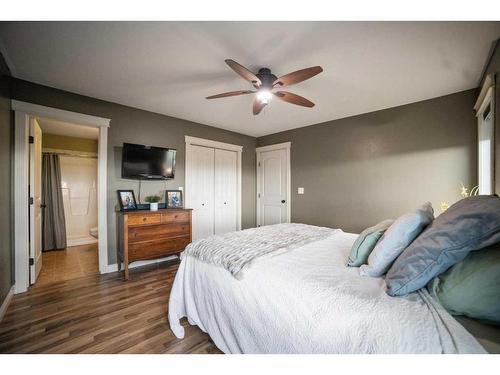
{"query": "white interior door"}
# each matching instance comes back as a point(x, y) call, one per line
point(200, 189)
point(273, 187)
point(225, 191)
point(35, 170)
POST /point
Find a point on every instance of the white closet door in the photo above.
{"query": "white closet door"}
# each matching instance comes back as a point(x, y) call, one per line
point(225, 186)
point(200, 189)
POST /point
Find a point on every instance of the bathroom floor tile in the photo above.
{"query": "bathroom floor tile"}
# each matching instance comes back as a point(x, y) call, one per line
point(68, 264)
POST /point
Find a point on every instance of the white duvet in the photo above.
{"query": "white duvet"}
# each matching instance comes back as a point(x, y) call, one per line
point(308, 301)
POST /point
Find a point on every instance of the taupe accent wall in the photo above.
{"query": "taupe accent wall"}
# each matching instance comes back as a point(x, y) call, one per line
point(360, 170)
point(137, 126)
point(6, 144)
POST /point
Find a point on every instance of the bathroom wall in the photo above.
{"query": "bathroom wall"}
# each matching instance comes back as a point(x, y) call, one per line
point(79, 184)
point(63, 142)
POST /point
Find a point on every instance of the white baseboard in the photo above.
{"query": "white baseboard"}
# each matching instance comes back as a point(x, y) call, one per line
point(114, 267)
point(6, 302)
point(81, 241)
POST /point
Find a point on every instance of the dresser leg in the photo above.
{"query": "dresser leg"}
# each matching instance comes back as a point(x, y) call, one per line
point(126, 271)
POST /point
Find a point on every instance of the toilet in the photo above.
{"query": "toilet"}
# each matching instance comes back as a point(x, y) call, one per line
point(94, 233)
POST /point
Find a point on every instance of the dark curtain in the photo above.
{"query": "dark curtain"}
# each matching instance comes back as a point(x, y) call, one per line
point(53, 220)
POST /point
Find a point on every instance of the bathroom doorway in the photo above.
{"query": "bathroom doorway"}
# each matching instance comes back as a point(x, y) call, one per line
point(66, 161)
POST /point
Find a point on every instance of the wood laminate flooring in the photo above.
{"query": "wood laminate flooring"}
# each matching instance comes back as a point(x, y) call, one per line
point(100, 314)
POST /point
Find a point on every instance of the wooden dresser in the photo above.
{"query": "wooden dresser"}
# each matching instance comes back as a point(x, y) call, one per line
point(145, 234)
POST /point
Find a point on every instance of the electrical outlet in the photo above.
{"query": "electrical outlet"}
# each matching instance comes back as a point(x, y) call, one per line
point(300, 190)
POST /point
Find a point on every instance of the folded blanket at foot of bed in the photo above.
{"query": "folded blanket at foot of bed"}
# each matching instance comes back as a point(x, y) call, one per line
point(237, 251)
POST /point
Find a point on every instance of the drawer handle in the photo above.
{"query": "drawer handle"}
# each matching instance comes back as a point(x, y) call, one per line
point(176, 216)
point(144, 218)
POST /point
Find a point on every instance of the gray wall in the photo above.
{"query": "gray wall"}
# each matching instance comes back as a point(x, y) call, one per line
point(359, 170)
point(6, 227)
point(137, 126)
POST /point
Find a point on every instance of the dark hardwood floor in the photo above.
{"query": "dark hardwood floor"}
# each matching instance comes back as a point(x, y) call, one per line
point(99, 314)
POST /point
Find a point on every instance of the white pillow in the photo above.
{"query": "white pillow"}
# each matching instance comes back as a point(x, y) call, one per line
point(397, 238)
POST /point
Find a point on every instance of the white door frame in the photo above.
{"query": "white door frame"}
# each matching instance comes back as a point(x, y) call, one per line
point(222, 146)
point(279, 146)
point(23, 112)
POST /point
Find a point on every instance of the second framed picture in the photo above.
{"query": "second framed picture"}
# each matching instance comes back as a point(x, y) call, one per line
point(174, 199)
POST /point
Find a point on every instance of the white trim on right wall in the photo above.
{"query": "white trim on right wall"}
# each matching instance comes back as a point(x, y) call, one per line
point(486, 140)
point(279, 146)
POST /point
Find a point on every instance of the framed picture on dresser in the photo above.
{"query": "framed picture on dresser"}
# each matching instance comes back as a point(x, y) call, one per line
point(126, 199)
point(174, 198)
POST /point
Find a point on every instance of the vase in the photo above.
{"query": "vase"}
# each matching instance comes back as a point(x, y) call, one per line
point(153, 206)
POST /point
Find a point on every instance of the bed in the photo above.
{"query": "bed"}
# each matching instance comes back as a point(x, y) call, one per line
point(306, 300)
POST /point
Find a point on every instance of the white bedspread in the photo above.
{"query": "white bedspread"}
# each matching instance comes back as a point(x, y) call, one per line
point(308, 301)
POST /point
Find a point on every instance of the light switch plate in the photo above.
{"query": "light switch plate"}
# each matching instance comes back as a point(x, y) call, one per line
point(180, 188)
point(300, 190)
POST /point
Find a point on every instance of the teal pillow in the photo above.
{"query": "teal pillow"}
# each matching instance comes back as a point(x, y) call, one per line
point(365, 243)
point(472, 287)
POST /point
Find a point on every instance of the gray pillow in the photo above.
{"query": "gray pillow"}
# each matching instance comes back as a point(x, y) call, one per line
point(395, 239)
point(365, 243)
point(470, 224)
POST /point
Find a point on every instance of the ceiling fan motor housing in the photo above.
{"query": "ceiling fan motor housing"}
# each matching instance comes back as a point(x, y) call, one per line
point(266, 77)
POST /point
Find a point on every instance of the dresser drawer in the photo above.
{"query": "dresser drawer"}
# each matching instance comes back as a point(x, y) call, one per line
point(145, 233)
point(145, 219)
point(175, 217)
point(157, 248)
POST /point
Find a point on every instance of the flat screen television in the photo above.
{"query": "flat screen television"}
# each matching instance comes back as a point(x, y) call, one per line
point(148, 162)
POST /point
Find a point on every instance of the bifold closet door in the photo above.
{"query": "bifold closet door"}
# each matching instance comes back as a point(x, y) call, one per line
point(225, 185)
point(200, 190)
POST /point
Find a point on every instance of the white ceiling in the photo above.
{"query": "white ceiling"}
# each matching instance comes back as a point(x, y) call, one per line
point(67, 129)
point(170, 67)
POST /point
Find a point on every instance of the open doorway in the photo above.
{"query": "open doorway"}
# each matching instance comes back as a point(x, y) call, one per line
point(29, 257)
point(63, 216)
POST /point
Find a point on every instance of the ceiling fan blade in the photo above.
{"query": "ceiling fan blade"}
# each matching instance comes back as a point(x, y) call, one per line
point(297, 76)
point(230, 93)
point(244, 72)
point(294, 99)
point(257, 106)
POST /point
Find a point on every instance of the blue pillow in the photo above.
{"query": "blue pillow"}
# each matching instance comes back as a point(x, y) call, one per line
point(396, 239)
point(470, 224)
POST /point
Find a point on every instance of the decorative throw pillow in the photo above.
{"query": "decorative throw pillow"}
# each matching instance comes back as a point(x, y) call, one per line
point(365, 243)
point(472, 286)
point(470, 224)
point(395, 239)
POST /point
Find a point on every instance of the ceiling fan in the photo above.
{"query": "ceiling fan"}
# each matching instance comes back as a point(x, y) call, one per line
point(264, 82)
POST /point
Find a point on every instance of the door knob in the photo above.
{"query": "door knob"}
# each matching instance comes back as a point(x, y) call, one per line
point(283, 201)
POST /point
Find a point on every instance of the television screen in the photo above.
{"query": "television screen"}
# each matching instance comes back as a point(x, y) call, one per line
point(147, 162)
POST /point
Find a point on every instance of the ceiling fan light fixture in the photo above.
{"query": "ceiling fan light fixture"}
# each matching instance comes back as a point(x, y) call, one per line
point(265, 81)
point(264, 96)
